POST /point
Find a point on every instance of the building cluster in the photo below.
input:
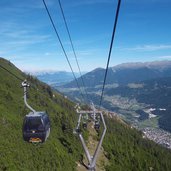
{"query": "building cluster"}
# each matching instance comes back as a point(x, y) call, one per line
point(159, 136)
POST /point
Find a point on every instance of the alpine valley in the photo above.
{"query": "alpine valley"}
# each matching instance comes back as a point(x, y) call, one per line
point(139, 92)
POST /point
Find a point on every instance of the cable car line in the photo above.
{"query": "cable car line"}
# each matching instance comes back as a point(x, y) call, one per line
point(17, 77)
point(66, 56)
point(92, 159)
point(11, 73)
point(110, 50)
point(73, 49)
point(34, 124)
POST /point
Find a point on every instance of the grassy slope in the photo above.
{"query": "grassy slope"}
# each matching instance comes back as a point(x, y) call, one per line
point(61, 149)
point(125, 149)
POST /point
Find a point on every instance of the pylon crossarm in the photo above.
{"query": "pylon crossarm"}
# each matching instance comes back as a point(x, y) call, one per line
point(88, 111)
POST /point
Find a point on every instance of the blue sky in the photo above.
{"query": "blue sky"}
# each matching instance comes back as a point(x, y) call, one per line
point(28, 40)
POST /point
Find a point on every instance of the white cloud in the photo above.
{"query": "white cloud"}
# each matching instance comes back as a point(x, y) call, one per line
point(47, 54)
point(148, 48)
point(92, 2)
point(24, 6)
point(165, 57)
point(14, 38)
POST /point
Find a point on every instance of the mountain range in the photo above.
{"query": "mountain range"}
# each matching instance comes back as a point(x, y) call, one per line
point(130, 88)
point(126, 73)
point(56, 78)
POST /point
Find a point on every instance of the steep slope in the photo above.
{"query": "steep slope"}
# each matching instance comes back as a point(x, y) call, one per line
point(124, 147)
point(133, 153)
point(62, 149)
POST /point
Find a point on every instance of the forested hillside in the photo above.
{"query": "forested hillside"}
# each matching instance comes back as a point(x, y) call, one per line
point(130, 152)
point(124, 147)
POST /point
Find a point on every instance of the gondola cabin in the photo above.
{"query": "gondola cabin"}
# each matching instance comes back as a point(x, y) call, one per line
point(85, 125)
point(36, 127)
point(97, 125)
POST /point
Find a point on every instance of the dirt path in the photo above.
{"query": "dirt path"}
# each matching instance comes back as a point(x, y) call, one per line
point(91, 145)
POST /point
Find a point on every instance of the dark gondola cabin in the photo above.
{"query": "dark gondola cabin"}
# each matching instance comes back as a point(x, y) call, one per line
point(36, 127)
point(97, 125)
point(85, 125)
